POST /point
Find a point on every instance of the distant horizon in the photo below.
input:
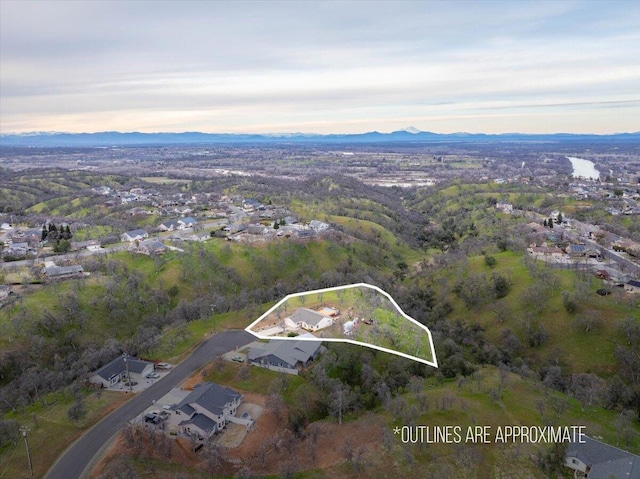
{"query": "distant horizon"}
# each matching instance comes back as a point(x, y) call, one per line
point(317, 67)
point(302, 133)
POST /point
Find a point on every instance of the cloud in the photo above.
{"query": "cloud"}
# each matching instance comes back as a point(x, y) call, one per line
point(261, 63)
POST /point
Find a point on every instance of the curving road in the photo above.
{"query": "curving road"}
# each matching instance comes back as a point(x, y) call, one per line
point(77, 460)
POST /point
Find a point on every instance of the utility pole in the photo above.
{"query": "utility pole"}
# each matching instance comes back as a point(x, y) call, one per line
point(24, 431)
point(126, 363)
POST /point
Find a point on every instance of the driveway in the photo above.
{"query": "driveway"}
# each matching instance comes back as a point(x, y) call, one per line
point(78, 460)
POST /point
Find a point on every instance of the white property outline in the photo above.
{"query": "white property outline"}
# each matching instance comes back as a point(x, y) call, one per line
point(433, 363)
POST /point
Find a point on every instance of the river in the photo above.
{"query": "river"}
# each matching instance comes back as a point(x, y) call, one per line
point(583, 168)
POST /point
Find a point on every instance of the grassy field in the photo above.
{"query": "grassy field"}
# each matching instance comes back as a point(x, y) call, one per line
point(163, 180)
point(51, 431)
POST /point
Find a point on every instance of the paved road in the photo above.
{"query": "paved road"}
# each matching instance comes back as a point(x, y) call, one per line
point(75, 461)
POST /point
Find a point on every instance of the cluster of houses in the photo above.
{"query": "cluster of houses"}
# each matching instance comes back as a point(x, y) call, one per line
point(625, 201)
point(19, 242)
point(199, 413)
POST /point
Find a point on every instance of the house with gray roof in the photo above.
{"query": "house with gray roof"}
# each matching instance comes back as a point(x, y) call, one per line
point(150, 247)
point(187, 222)
point(205, 411)
point(169, 225)
point(62, 272)
point(632, 286)
point(597, 460)
point(308, 319)
point(134, 235)
point(121, 368)
point(284, 356)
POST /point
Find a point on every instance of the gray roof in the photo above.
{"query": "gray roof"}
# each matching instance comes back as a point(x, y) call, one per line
point(605, 461)
point(289, 351)
point(62, 270)
point(118, 366)
point(312, 318)
point(211, 397)
point(152, 245)
point(170, 223)
point(134, 233)
point(202, 421)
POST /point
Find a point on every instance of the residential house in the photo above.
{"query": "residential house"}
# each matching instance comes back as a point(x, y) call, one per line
point(119, 369)
point(576, 250)
point(505, 207)
point(17, 249)
point(597, 460)
point(284, 356)
point(205, 411)
point(187, 222)
point(612, 275)
point(632, 286)
point(199, 236)
point(127, 198)
point(150, 247)
point(308, 319)
point(169, 225)
point(134, 235)
point(62, 272)
point(249, 204)
point(235, 227)
point(546, 251)
point(318, 226)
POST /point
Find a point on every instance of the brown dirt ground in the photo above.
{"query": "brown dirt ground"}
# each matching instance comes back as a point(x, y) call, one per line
point(270, 445)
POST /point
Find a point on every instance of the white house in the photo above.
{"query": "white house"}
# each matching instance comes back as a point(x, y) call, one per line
point(134, 235)
point(308, 319)
point(169, 225)
point(187, 222)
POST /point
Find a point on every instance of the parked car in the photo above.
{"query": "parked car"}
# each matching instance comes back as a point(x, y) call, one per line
point(153, 376)
point(163, 366)
point(238, 359)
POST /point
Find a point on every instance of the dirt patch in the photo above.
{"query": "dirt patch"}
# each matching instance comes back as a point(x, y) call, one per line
point(269, 448)
point(272, 449)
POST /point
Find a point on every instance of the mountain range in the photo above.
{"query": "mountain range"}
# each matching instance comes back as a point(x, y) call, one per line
point(408, 135)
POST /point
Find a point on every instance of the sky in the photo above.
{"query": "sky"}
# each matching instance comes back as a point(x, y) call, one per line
point(320, 66)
